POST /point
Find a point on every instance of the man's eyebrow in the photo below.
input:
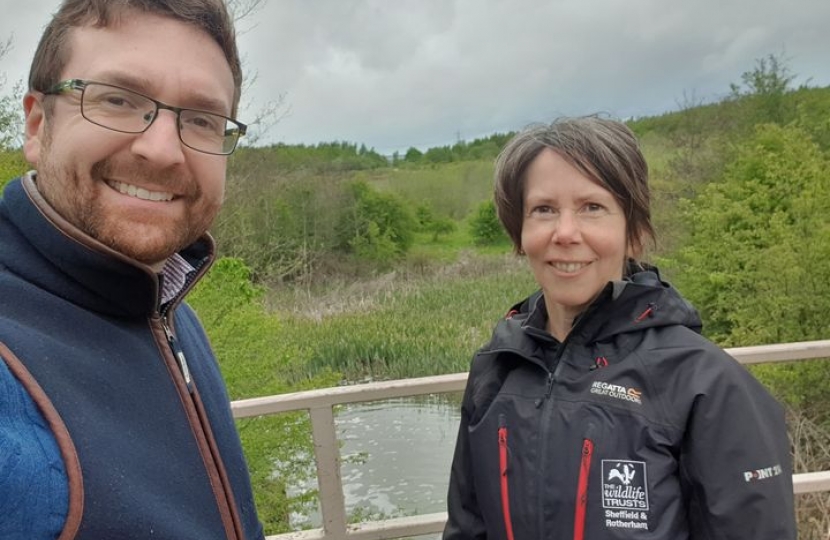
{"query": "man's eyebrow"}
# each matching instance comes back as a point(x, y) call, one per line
point(143, 85)
point(208, 104)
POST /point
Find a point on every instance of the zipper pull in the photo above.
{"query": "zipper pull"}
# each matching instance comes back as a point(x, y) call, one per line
point(179, 354)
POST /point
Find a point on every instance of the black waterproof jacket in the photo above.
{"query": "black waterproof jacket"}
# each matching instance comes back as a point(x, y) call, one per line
point(634, 427)
point(128, 388)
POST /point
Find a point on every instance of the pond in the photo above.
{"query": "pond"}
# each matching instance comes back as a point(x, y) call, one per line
point(396, 456)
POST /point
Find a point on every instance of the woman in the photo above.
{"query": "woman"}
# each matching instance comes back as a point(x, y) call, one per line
point(597, 410)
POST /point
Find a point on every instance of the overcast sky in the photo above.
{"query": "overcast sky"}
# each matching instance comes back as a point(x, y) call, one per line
point(398, 73)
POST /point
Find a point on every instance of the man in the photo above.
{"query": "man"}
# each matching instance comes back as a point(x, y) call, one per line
point(114, 420)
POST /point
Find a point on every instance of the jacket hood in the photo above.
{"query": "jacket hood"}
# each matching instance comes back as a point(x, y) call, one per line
point(41, 246)
point(640, 301)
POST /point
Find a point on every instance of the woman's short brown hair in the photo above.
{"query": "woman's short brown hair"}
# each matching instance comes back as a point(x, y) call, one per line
point(53, 51)
point(602, 149)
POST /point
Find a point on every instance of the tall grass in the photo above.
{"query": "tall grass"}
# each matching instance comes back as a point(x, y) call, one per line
point(403, 325)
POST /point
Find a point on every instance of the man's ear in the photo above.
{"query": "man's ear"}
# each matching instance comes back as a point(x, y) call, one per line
point(35, 126)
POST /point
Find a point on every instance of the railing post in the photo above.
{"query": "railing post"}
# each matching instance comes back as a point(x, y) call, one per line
point(327, 457)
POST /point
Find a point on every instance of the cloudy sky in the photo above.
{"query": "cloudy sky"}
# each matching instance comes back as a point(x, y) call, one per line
point(398, 73)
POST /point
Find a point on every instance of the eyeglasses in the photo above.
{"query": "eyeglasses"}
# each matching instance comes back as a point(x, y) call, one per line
point(125, 111)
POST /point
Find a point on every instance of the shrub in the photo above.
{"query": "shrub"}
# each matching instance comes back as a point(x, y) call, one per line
point(485, 226)
point(376, 226)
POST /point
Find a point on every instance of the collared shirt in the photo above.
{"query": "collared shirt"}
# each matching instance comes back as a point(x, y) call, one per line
point(175, 273)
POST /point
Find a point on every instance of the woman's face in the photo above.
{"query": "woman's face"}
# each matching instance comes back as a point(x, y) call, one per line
point(573, 233)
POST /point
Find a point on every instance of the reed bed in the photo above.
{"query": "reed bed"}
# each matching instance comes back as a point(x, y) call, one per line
point(402, 325)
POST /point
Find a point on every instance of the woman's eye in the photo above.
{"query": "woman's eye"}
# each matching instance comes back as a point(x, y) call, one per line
point(542, 210)
point(594, 207)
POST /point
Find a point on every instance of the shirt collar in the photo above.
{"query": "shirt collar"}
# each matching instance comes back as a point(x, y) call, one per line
point(175, 273)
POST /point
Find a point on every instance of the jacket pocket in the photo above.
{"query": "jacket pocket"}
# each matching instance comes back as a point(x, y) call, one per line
point(582, 488)
point(505, 493)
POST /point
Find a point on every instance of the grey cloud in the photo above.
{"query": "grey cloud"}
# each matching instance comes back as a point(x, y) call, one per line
point(399, 73)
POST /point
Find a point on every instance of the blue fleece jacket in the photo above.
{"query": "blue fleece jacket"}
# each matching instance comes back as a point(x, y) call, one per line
point(143, 451)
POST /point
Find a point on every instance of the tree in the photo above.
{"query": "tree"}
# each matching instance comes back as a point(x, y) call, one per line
point(485, 226)
point(771, 77)
point(413, 155)
point(763, 90)
point(11, 110)
point(759, 251)
point(758, 262)
point(271, 112)
point(375, 226)
point(429, 222)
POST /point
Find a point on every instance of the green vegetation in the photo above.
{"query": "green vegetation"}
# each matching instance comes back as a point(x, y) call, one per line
point(409, 326)
point(12, 162)
point(342, 264)
point(12, 165)
point(485, 226)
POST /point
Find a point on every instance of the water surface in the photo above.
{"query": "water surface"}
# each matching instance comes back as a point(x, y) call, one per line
point(396, 456)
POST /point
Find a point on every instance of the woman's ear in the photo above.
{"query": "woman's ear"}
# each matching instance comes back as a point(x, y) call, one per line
point(634, 250)
point(35, 126)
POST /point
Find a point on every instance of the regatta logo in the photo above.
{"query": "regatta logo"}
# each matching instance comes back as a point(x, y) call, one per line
point(616, 391)
point(763, 474)
point(624, 485)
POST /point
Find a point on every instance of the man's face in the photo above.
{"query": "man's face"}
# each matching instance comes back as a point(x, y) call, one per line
point(145, 195)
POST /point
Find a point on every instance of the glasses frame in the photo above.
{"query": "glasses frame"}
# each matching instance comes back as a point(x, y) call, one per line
point(70, 85)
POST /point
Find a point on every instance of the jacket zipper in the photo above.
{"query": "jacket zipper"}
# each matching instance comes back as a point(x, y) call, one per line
point(196, 415)
point(505, 496)
point(221, 484)
point(179, 354)
point(582, 489)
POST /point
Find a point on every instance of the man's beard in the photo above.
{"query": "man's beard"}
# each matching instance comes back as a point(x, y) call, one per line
point(77, 200)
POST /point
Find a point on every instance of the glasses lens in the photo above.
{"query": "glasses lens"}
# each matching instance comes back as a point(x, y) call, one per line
point(116, 108)
point(208, 132)
point(126, 111)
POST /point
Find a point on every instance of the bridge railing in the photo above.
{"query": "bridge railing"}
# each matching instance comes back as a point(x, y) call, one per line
point(320, 406)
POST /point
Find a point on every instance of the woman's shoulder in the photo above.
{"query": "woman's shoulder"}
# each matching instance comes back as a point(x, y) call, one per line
point(678, 343)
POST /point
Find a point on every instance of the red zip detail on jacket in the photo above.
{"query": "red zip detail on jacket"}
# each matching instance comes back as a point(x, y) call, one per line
point(582, 489)
point(647, 313)
point(505, 498)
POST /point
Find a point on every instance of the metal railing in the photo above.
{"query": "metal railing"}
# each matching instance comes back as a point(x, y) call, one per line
point(320, 405)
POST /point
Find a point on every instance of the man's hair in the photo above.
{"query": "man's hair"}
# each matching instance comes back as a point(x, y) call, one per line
point(53, 51)
point(604, 150)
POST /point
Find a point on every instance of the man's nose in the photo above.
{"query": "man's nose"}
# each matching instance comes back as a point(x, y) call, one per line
point(161, 142)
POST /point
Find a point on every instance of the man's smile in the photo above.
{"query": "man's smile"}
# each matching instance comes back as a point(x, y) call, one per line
point(139, 193)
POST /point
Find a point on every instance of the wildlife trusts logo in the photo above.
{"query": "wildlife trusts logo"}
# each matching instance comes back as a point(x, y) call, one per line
point(624, 484)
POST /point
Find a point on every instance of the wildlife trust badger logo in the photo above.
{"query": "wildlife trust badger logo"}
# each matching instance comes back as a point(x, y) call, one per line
point(624, 484)
point(616, 391)
point(625, 494)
